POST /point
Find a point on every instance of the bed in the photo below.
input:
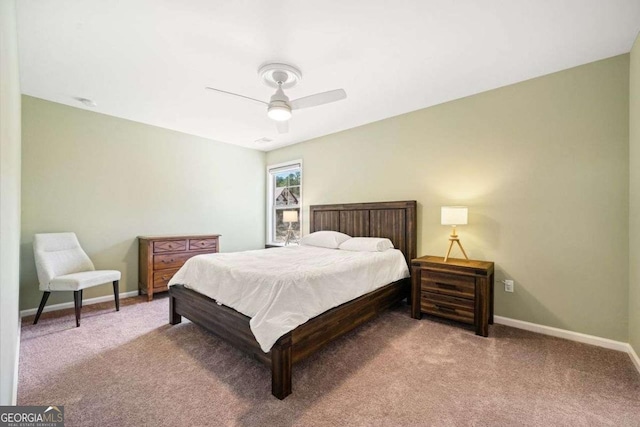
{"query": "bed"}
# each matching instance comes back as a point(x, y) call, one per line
point(393, 220)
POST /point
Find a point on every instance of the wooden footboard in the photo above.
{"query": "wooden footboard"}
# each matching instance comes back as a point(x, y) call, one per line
point(220, 320)
point(303, 341)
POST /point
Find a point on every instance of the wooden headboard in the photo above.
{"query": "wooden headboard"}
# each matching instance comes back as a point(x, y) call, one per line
point(393, 220)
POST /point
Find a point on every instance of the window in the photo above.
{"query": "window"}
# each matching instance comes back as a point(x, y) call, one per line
point(284, 195)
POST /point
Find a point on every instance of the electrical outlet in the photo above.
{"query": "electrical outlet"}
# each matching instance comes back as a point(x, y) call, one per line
point(508, 285)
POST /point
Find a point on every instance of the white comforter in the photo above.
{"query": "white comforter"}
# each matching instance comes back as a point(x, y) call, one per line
point(282, 288)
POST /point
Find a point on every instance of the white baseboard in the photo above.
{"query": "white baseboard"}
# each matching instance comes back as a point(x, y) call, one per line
point(65, 305)
point(634, 357)
point(563, 333)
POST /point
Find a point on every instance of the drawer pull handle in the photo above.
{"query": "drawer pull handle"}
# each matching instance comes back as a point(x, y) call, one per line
point(447, 286)
point(445, 309)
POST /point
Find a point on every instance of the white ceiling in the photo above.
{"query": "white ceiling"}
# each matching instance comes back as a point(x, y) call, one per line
point(149, 60)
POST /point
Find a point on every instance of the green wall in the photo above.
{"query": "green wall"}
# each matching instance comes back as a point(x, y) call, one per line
point(634, 198)
point(110, 180)
point(543, 166)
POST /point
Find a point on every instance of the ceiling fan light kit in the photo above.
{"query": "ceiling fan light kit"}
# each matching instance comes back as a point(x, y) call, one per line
point(279, 107)
point(279, 113)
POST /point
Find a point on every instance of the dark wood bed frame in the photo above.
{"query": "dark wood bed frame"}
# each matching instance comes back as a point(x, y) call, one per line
point(394, 220)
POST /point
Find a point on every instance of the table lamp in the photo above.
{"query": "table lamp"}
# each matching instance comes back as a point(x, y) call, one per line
point(290, 217)
point(453, 216)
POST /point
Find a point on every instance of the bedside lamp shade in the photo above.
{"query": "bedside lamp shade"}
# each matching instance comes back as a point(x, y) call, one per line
point(290, 216)
point(453, 215)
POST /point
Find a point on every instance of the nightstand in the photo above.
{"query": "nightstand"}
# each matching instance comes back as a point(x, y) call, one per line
point(459, 289)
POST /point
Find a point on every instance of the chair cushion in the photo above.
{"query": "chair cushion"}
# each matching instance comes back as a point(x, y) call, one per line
point(85, 279)
point(58, 254)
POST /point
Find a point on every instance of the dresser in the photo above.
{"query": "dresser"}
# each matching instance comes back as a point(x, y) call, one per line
point(160, 257)
point(459, 289)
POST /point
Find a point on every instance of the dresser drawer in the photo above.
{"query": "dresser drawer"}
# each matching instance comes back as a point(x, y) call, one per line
point(459, 309)
point(169, 246)
point(448, 284)
point(202, 244)
point(161, 277)
point(162, 262)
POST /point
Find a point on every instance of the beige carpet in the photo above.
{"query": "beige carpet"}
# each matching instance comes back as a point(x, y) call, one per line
point(133, 369)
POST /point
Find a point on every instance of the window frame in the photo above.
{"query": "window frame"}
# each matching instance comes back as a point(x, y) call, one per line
point(270, 205)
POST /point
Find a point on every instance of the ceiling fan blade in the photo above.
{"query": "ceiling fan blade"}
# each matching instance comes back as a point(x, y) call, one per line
point(318, 99)
point(235, 94)
point(283, 127)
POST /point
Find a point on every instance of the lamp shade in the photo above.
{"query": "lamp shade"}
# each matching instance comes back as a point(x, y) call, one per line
point(453, 215)
point(290, 216)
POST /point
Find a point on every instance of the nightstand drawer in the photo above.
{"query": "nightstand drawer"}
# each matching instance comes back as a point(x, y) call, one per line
point(459, 309)
point(448, 284)
point(170, 246)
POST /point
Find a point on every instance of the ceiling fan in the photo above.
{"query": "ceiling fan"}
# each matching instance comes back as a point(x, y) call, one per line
point(279, 107)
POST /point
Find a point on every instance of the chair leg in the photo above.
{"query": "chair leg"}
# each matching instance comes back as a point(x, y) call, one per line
point(78, 305)
point(43, 301)
point(81, 297)
point(116, 293)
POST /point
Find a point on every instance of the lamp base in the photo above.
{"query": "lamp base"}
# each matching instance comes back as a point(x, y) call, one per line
point(454, 239)
point(291, 237)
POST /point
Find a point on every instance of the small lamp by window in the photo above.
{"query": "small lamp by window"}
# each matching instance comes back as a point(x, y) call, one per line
point(453, 216)
point(290, 217)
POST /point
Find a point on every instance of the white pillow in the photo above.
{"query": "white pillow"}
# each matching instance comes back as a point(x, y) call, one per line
point(325, 239)
point(367, 244)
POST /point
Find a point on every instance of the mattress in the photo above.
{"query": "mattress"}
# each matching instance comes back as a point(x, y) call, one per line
point(282, 288)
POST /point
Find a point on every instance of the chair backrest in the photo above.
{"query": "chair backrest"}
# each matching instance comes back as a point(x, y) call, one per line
point(58, 254)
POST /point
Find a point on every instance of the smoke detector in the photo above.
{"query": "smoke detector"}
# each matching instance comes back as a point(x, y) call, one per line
point(86, 101)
